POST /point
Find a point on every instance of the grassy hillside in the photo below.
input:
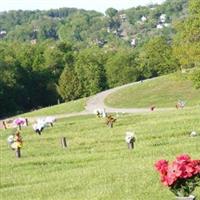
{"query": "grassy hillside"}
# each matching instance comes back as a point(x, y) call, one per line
point(97, 164)
point(64, 108)
point(163, 91)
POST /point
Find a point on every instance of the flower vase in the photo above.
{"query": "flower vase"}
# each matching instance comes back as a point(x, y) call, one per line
point(191, 197)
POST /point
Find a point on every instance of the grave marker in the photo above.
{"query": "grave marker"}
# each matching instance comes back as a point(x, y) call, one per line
point(63, 142)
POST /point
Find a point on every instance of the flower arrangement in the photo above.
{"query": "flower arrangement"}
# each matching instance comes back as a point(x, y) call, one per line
point(130, 137)
point(19, 121)
point(182, 176)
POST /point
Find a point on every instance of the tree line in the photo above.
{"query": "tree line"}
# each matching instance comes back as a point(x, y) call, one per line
point(37, 75)
point(86, 27)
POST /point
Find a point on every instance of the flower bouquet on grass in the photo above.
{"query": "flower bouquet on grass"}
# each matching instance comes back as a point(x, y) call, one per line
point(181, 176)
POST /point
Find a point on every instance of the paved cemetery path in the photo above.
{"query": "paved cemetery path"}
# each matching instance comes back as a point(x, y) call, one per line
point(97, 101)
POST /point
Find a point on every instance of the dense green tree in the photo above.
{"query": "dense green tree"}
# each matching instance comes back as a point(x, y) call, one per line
point(111, 12)
point(187, 39)
point(134, 14)
point(121, 68)
point(68, 85)
point(68, 52)
point(88, 27)
point(8, 80)
point(55, 52)
point(54, 61)
point(89, 68)
point(155, 58)
point(196, 78)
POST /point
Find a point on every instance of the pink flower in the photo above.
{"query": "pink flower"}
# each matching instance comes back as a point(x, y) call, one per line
point(19, 121)
point(165, 180)
point(173, 173)
point(183, 158)
point(179, 173)
point(196, 166)
point(187, 171)
point(162, 166)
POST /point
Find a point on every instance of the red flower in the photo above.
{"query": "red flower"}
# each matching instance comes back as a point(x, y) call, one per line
point(183, 158)
point(165, 180)
point(178, 172)
point(196, 166)
point(162, 166)
point(173, 173)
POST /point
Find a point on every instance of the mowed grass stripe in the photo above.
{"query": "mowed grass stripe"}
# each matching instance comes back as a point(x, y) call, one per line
point(63, 108)
point(163, 91)
point(97, 163)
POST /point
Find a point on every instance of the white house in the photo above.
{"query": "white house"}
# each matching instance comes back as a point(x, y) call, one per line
point(3, 32)
point(133, 42)
point(123, 17)
point(159, 26)
point(162, 18)
point(143, 18)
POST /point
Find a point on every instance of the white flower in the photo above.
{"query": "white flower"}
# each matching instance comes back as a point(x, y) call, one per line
point(130, 136)
point(50, 119)
point(193, 134)
point(10, 139)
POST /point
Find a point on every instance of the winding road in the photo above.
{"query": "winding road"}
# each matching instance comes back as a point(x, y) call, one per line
point(97, 102)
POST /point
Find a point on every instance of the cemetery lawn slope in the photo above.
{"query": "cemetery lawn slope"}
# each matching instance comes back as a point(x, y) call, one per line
point(97, 164)
point(64, 108)
point(163, 91)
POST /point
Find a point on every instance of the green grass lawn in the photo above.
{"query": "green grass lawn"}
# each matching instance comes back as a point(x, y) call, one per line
point(163, 91)
point(64, 108)
point(97, 164)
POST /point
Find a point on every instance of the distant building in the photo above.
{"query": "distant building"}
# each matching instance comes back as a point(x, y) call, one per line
point(2, 33)
point(123, 17)
point(143, 18)
point(159, 26)
point(162, 18)
point(117, 32)
point(133, 42)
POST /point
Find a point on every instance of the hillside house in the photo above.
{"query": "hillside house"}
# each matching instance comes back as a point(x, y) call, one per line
point(143, 19)
point(159, 26)
point(163, 18)
point(133, 42)
point(2, 33)
point(123, 17)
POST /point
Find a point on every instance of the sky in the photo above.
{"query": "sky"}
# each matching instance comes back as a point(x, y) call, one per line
point(98, 5)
